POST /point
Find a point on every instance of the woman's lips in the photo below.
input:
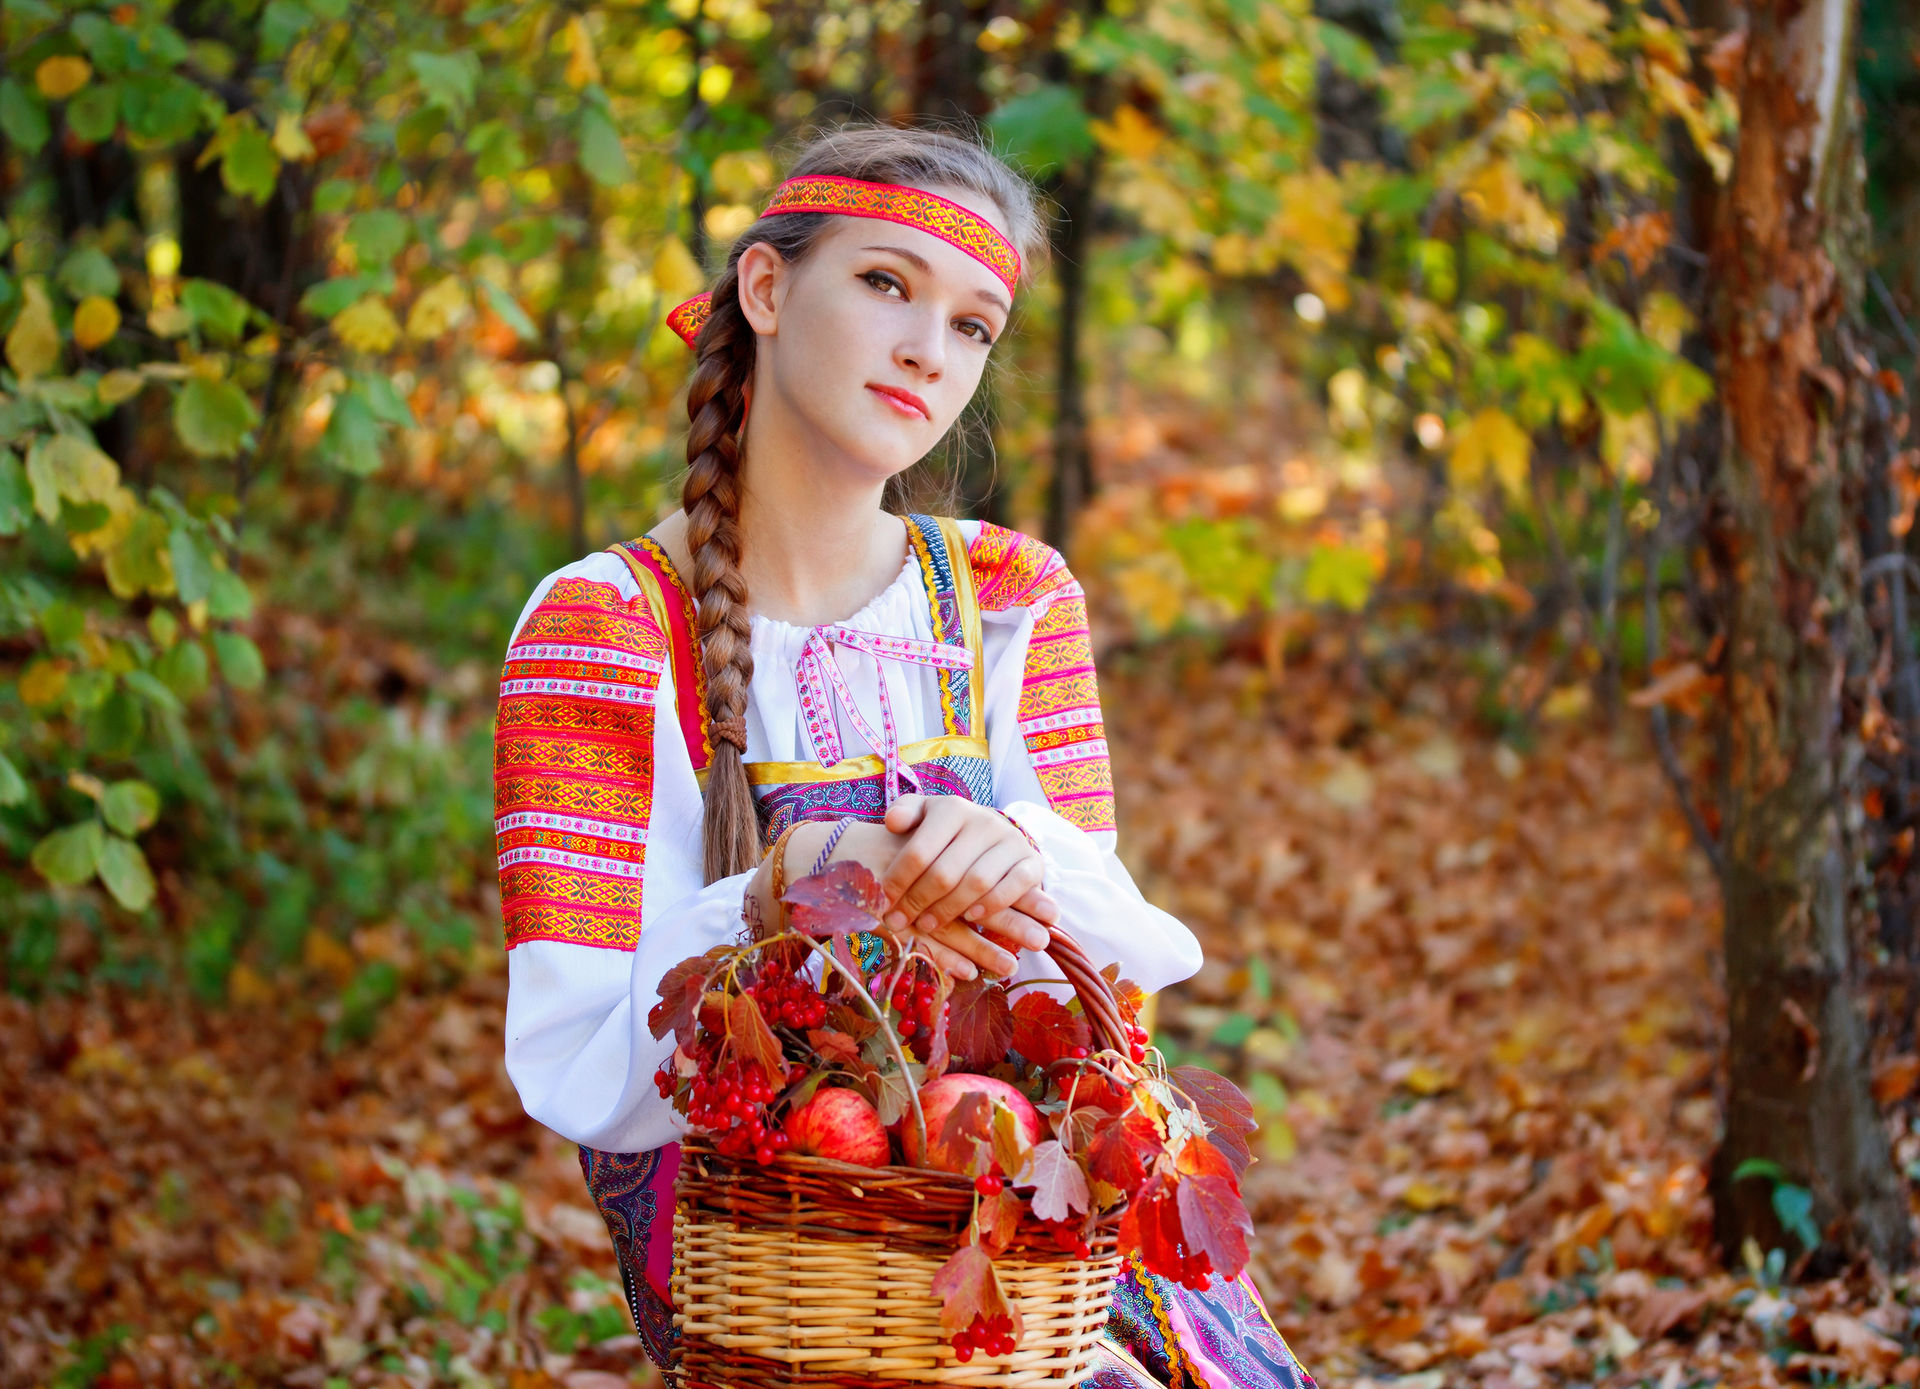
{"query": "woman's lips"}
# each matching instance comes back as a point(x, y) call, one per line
point(905, 407)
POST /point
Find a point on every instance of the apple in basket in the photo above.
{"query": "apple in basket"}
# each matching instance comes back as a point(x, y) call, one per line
point(937, 1099)
point(839, 1123)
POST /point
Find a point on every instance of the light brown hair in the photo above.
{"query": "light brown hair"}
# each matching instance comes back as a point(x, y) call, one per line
point(916, 157)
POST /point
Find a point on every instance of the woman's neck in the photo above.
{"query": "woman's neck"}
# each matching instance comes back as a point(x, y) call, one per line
point(812, 553)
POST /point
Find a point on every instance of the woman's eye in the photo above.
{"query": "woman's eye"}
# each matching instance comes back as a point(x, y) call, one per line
point(880, 279)
point(883, 277)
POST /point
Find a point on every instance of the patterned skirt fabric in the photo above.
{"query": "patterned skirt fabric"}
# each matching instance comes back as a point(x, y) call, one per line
point(1158, 1333)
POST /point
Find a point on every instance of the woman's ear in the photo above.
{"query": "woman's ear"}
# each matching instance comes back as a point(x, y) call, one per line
point(759, 272)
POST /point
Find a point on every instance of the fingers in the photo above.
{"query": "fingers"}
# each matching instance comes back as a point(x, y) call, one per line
point(1018, 884)
point(943, 821)
point(1011, 923)
point(980, 878)
point(1038, 905)
point(904, 814)
point(979, 952)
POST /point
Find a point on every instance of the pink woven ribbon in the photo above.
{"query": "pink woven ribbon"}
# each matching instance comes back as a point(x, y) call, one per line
point(817, 671)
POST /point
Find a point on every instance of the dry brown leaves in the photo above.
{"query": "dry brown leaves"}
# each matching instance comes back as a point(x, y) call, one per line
point(1487, 1050)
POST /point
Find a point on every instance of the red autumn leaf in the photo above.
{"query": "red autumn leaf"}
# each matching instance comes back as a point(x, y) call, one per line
point(680, 990)
point(1227, 1112)
point(1200, 1157)
point(979, 1024)
point(1214, 1220)
point(1130, 995)
point(1059, 1186)
point(964, 1141)
point(841, 898)
point(830, 1044)
point(968, 1286)
point(1150, 1227)
point(750, 1037)
point(997, 1219)
point(1043, 1029)
point(1122, 1151)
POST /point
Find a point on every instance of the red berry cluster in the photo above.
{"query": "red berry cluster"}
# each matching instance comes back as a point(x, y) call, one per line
point(786, 997)
point(1136, 1041)
point(912, 998)
point(992, 1335)
point(1195, 1270)
point(1069, 1239)
point(989, 1183)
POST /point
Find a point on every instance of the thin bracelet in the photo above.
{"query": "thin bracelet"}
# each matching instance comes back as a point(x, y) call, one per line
point(833, 838)
point(1022, 828)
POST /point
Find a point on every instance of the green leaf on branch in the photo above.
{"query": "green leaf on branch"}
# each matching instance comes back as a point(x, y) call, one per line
point(184, 669)
point(509, 309)
point(240, 660)
point(377, 237)
point(123, 868)
point(130, 806)
point(16, 494)
point(1042, 129)
point(88, 271)
point(335, 296)
point(13, 786)
point(448, 79)
point(192, 566)
point(213, 417)
point(228, 597)
point(217, 311)
point(1338, 574)
point(601, 154)
point(351, 441)
point(23, 117)
point(68, 857)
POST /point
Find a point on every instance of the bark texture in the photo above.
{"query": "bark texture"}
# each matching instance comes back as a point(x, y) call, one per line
point(1786, 550)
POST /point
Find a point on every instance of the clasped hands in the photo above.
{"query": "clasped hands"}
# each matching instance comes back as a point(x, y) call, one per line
point(958, 879)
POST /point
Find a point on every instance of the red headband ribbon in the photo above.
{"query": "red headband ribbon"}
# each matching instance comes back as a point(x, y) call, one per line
point(891, 202)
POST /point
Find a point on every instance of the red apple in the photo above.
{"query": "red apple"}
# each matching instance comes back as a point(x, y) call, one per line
point(938, 1097)
point(841, 1124)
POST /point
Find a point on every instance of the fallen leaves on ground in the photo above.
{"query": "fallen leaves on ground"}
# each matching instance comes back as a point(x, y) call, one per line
point(1469, 989)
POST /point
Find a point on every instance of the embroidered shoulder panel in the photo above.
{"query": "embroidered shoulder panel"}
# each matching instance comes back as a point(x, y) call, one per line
point(573, 766)
point(1059, 692)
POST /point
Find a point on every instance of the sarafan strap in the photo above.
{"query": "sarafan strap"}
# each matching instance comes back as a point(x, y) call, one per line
point(891, 202)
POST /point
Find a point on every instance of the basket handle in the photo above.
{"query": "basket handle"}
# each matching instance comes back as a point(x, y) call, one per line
point(1090, 986)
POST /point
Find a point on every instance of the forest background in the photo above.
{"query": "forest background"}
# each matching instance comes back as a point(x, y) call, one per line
point(1481, 428)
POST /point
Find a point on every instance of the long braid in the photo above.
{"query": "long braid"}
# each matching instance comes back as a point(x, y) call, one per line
point(716, 405)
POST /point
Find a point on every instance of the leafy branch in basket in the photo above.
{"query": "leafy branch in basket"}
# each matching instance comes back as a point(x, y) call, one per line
point(786, 1051)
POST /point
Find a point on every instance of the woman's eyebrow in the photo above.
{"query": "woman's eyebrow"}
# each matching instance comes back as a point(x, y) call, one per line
point(921, 262)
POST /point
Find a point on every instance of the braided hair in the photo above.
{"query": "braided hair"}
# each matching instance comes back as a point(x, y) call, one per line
point(716, 408)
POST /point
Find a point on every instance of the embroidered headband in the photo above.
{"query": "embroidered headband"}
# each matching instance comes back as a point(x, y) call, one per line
point(891, 202)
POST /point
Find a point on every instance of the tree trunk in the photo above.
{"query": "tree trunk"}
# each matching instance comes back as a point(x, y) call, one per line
point(1786, 552)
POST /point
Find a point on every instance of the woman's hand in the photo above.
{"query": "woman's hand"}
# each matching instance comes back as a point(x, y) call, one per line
point(966, 865)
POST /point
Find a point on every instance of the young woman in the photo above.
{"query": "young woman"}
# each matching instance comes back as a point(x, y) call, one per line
point(788, 654)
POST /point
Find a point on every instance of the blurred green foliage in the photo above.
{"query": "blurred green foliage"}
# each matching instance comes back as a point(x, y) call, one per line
point(329, 328)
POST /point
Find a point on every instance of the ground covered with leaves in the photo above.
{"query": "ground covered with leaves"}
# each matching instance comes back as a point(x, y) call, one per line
point(1469, 986)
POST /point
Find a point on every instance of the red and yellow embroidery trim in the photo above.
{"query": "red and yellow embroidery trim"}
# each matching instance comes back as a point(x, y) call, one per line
point(1060, 715)
point(890, 202)
point(573, 766)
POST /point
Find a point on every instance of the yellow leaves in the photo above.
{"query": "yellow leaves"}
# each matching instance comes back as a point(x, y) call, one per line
point(290, 139)
point(1423, 1194)
point(439, 308)
point(95, 321)
point(740, 175)
point(33, 343)
point(1491, 442)
point(583, 68)
point(1681, 98)
point(61, 76)
point(43, 683)
point(367, 325)
point(1498, 197)
point(119, 385)
point(1315, 230)
point(676, 271)
point(1129, 134)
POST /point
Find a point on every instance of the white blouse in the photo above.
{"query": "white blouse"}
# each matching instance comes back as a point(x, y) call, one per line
point(577, 1045)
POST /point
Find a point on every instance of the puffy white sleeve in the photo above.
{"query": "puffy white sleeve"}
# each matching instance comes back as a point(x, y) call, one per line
point(1051, 775)
point(597, 822)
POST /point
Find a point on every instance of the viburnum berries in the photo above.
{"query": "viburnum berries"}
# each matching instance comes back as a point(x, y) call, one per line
point(991, 1335)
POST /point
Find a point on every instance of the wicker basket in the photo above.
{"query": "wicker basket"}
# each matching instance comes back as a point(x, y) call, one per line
point(810, 1271)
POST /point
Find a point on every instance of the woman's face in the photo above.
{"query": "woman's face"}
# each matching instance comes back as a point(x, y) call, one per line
point(875, 312)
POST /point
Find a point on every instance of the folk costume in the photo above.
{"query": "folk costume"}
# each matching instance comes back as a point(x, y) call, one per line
point(970, 674)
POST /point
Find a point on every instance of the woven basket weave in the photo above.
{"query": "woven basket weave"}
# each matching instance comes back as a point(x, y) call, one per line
point(810, 1271)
